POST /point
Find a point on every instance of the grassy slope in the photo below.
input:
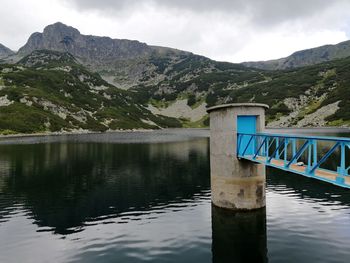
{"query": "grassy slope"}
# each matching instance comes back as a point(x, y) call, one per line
point(70, 90)
point(193, 77)
point(218, 83)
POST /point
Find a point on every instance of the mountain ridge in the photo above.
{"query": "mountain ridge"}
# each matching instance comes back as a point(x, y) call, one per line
point(120, 62)
point(5, 51)
point(306, 57)
point(172, 87)
point(60, 37)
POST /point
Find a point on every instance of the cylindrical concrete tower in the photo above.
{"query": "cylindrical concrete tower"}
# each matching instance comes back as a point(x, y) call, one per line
point(235, 184)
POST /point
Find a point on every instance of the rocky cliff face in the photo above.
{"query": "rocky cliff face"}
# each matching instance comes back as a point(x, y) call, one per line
point(124, 63)
point(305, 57)
point(60, 37)
point(5, 52)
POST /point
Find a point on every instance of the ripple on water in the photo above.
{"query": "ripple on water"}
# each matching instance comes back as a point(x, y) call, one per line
point(143, 197)
point(306, 222)
point(173, 233)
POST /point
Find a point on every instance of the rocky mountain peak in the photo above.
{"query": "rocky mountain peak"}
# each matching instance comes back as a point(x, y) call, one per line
point(5, 52)
point(121, 62)
point(91, 49)
point(60, 31)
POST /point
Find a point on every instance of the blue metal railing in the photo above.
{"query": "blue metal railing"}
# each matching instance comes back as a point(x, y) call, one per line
point(324, 158)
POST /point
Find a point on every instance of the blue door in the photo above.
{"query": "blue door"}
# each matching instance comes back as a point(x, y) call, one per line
point(246, 124)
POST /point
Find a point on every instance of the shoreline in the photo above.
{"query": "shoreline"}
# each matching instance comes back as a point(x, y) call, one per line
point(83, 132)
point(314, 129)
point(80, 132)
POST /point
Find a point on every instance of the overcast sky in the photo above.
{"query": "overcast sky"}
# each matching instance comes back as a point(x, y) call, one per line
point(228, 30)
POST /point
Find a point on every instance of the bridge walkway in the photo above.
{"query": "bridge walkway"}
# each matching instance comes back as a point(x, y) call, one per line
point(323, 158)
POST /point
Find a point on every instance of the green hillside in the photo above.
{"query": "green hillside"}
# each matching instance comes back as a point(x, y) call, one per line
point(310, 88)
point(50, 91)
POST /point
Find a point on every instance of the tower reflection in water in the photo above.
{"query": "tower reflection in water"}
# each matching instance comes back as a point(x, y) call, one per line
point(239, 236)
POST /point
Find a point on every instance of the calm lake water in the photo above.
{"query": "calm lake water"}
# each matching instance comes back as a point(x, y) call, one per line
point(145, 197)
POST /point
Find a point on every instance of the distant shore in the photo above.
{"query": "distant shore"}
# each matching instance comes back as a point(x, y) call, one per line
point(82, 132)
point(78, 132)
point(312, 129)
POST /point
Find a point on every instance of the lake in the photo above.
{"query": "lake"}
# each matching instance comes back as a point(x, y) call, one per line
point(145, 197)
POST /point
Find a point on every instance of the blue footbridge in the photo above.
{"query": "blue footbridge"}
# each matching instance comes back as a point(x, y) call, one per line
point(320, 157)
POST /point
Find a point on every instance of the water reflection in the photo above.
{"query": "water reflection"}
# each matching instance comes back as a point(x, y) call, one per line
point(111, 198)
point(239, 236)
point(307, 188)
point(64, 185)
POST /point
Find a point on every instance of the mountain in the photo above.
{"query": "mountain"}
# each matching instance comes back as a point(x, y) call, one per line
point(152, 74)
point(5, 52)
point(73, 84)
point(93, 49)
point(50, 91)
point(123, 63)
point(305, 57)
point(311, 96)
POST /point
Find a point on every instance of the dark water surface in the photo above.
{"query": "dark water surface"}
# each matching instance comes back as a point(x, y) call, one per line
point(135, 197)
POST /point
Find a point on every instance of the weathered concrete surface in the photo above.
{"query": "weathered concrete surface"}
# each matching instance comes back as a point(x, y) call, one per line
point(235, 184)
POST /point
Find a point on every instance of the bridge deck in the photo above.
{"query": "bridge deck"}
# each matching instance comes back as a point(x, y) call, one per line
point(320, 174)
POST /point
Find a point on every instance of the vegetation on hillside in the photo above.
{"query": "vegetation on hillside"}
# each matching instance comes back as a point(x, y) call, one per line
point(49, 91)
point(199, 78)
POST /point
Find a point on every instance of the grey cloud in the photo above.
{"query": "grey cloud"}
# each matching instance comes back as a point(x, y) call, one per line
point(260, 11)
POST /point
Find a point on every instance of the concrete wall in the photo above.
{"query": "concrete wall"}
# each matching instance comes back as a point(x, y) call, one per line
point(235, 184)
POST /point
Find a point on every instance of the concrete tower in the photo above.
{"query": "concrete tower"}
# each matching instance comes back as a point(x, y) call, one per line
point(235, 184)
